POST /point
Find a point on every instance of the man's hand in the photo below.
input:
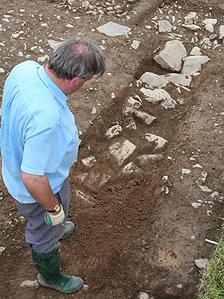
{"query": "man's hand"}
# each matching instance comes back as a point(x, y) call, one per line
point(40, 189)
point(56, 216)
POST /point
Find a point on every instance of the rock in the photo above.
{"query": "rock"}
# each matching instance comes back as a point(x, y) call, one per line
point(131, 168)
point(54, 44)
point(131, 104)
point(153, 80)
point(122, 150)
point(165, 26)
point(201, 263)
point(205, 189)
point(135, 44)
point(113, 131)
point(42, 58)
point(89, 161)
point(209, 24)
point(2, 71)
point(193, 64)
point(145, 117)
point(178, 79)
point(145, 159)
point(166, 57)
point(80, 178)
point(30, 284)
point(113, 29)
point(206, 43)
point(157, 140)
point(191, 27)
point(197, 166)
point(185, 171)
point(95, 180)
point(196, 204)
point(190, 18)
point(85, 198)
point(143, 296)
point(2, 249)
point(221, 32)
point(158, 95)
point(131, 125)
point(214, 194)
point(196, 51)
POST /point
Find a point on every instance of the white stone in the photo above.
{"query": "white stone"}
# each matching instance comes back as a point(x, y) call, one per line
point(96, 180)
point(209, 24)
point(113, 131)
point(185, 171)
point(131, 104)
point(190, 18)
point(196, 51)
point(2, 71)
point(135, 44)
point(197, 166)
point(85, 198)
point(2, 249)
point(147, 118)
point(164, 26)
point(17, 34)
point(178, 79)
point(153, 80)
point(131, 168)
point(42, 58)
point(148, 158)
point(158, 95)
point(143, 296)
point(89, 161)
point(205, 189)
point(157, 140)
point(113, 29)
point(221, 32)
point(30, 283)
point(166, 57)
point(122, 150)
point(214, 194)
point(206, 43)
point(201, 263)
point(196, 204)
point(193, 64)
point(54, 44)
point(191, 27)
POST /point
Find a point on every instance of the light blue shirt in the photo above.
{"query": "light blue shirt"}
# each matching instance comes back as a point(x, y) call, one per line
point(38, 134)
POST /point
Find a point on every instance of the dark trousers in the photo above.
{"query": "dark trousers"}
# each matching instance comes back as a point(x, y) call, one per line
point(40, 236)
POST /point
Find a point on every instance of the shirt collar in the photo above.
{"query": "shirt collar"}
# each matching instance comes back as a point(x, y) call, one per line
point(56, 91)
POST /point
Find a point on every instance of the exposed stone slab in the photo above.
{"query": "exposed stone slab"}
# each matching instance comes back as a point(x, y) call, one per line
point(157, 140)
point(121, 150)
point(145, 117)
point(166, 57)
point(178, 79)
point(193, 64)
point(164, 26)
point(113, 29)
point(158, 95)
point(153, 80)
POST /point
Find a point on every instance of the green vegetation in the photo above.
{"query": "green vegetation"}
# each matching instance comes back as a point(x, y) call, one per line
point(212, 286)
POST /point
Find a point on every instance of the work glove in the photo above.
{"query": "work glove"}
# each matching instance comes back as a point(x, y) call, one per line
point(56, 216)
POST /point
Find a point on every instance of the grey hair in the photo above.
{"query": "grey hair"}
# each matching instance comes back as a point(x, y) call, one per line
point(77, 57)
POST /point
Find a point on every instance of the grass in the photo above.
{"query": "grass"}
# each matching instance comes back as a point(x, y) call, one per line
point(212, 285)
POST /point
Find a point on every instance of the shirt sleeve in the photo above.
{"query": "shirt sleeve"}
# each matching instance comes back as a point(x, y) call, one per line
point(40, 154)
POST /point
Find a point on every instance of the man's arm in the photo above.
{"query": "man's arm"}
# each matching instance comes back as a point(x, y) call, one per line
point(40, 189)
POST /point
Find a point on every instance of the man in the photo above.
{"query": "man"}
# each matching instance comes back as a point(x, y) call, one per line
point(39, 144)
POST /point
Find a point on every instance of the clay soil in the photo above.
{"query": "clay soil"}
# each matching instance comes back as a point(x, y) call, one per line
point(131, 237)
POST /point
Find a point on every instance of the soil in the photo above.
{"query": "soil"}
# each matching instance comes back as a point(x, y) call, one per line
point(131, 237)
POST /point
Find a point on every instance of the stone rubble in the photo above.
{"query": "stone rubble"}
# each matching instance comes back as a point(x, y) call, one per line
point(2, 249)
point(146, 159)
point(166, 58)
point(157, 96)
point(96, 179)
point(209, 24)
point(135, 44)
point(131, 168)
point(113, 131)
point(121, 150)
point(157, 140)
point(221, 32)
point(201, 263)
point(196, 51)
point(30, 284)
point(153, 80)
point(190, 18)
point(112, 29)
point(164, 26)
point(145, 117)
point(89, 161)
point(193, 64)
point(192, 27)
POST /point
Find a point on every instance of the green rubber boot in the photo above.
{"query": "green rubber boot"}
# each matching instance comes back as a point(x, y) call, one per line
point(50, 276)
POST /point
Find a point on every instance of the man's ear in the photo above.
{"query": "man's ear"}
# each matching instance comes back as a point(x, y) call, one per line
point(74, 82)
